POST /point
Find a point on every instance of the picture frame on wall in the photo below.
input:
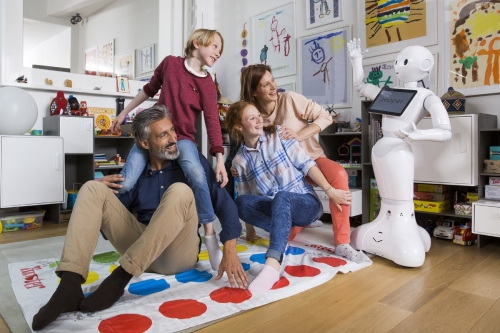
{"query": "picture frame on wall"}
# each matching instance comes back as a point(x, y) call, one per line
point(90, 61)
point(146, 59)
point(273, 38)
point(418, 26)
point(122, 84)
point(105, 59)
point(322, 12)
point(325, 70)
point(125, 65)
point(471, 64)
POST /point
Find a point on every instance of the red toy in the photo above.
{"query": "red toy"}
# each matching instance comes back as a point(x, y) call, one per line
point(59, 105)
point(463, 235)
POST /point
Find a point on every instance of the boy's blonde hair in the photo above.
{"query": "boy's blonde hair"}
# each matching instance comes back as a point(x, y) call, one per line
point(205, 37)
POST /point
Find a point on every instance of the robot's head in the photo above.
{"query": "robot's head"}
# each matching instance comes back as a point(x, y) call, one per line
point(413, 63)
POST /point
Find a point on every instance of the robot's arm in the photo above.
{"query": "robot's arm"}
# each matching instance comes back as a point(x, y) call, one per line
point(356, 56)
point(440, 122)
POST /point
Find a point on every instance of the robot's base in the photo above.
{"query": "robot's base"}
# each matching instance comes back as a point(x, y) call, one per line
point(394, 235)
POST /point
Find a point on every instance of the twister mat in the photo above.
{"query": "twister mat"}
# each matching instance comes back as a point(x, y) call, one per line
point(158, 303)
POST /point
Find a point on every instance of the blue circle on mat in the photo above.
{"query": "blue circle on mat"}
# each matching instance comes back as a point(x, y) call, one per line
point(147, 287)
point(246, 267)
point(259, 257)
point(193, 275)
point(295, 251)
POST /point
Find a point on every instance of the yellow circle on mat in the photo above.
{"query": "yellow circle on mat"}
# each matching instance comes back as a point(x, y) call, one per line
point(260, 242)
point(93, 277)
point(112, 268)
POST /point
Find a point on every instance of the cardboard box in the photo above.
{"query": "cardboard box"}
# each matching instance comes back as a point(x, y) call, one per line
point(435, 188)
point(495, 153)
point(492, 192)
point(375, 200)
point(463, 208)
point(430, 196)
point(432, 206)
point(491, 166)
point(494, 181)
point(20, 221)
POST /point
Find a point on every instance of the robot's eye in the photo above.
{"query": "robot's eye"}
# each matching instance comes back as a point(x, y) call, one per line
point(406, 62)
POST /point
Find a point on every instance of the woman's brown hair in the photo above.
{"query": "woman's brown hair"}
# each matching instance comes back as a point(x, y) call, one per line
point(250, 79)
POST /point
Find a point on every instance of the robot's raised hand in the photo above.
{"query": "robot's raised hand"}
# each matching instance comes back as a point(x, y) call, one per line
point(354, 48)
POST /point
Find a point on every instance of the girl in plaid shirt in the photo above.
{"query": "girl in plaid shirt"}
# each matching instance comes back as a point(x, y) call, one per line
point(273, 193)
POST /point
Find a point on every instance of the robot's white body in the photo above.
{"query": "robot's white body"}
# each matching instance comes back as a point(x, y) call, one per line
point(394, 234)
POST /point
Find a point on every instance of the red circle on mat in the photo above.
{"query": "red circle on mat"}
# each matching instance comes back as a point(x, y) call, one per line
point(302, 271)
point(182, 309)
point(282, 283)
point(334, 262)
point(126, 323)
point(230, 295)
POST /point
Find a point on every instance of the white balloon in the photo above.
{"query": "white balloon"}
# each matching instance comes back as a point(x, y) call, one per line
point(18, 111)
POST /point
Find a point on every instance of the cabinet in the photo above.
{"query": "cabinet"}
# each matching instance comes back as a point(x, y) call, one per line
point(330, 142)
point(31, 171)
point(80, 145)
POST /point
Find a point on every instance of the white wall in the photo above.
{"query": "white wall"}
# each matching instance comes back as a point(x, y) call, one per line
point(44, 53)
point(230, 15)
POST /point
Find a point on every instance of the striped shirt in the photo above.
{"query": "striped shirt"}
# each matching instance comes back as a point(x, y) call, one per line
point(275, 165)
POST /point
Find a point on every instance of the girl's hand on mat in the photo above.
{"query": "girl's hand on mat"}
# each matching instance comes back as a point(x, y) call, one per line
point(339, 197)
point(231, 264)
point(111, 182)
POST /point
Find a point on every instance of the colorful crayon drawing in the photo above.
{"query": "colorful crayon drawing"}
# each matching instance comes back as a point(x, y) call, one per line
point(321, 12)
point(273, 36)
point(474, 45)
point(325, 78)
point(391, 21)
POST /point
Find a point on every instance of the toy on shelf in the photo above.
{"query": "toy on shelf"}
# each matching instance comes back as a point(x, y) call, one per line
point(355, 149)
point(22, 79)
point(68, 83)
point(58, 105)
point(48, 81)
point(463, 235)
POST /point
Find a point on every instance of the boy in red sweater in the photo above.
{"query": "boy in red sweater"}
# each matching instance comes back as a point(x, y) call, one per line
point(186, 89)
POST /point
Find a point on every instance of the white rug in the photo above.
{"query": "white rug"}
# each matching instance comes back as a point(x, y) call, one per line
point(157, 303)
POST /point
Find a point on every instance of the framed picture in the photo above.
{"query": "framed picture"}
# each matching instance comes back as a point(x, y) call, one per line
point(381, 73)
point(471, 47)
point(105, 57)
point(286, 87)
point(274, 40)
point(321, 12)
point(90, 61)
point(407, 23)
point(125, 65)
point(122, 84)
point(147, 59)
point(325, 68)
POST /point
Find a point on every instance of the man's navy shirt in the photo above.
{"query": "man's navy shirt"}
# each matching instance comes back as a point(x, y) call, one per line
point(144, 198)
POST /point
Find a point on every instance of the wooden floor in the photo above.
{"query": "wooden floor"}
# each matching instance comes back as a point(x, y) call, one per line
point(456, 290)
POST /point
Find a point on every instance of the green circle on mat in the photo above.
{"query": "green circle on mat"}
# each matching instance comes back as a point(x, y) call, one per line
point(106, 257)
point(54, 264)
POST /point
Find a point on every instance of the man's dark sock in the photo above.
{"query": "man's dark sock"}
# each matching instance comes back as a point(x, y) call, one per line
point(66, 298)
point(108, 292)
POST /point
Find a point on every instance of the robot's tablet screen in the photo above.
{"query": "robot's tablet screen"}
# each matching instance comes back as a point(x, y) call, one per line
point(392, 101)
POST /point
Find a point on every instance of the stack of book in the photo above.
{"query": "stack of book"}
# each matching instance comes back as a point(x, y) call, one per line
point(100, 160)
point(432, 197)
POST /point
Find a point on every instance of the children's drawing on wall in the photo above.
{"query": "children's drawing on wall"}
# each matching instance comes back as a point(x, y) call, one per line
point(324, 68)
point(391, 21)
point(147, 59)
point(273, 35)
point(473, 45)
point(321, 12)
point(124, 65)
point(381, 74)
point(105, 58)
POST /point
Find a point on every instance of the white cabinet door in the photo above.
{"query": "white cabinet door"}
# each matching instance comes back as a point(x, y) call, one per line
point(451, 162)
point(78, 134)
point(31, 170)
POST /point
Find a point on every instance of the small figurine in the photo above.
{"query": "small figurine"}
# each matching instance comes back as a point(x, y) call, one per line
point(22, 79)
point(83, 108)
point(48, 81)
point(97, 88)
point(224, 104)
point(75, 108)
point(58, 104)
point(68, 83)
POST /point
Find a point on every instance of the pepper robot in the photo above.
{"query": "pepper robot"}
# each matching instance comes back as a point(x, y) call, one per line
point(394, 234)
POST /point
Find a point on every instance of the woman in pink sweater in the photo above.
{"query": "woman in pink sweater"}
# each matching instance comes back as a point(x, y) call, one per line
point(300, 118)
